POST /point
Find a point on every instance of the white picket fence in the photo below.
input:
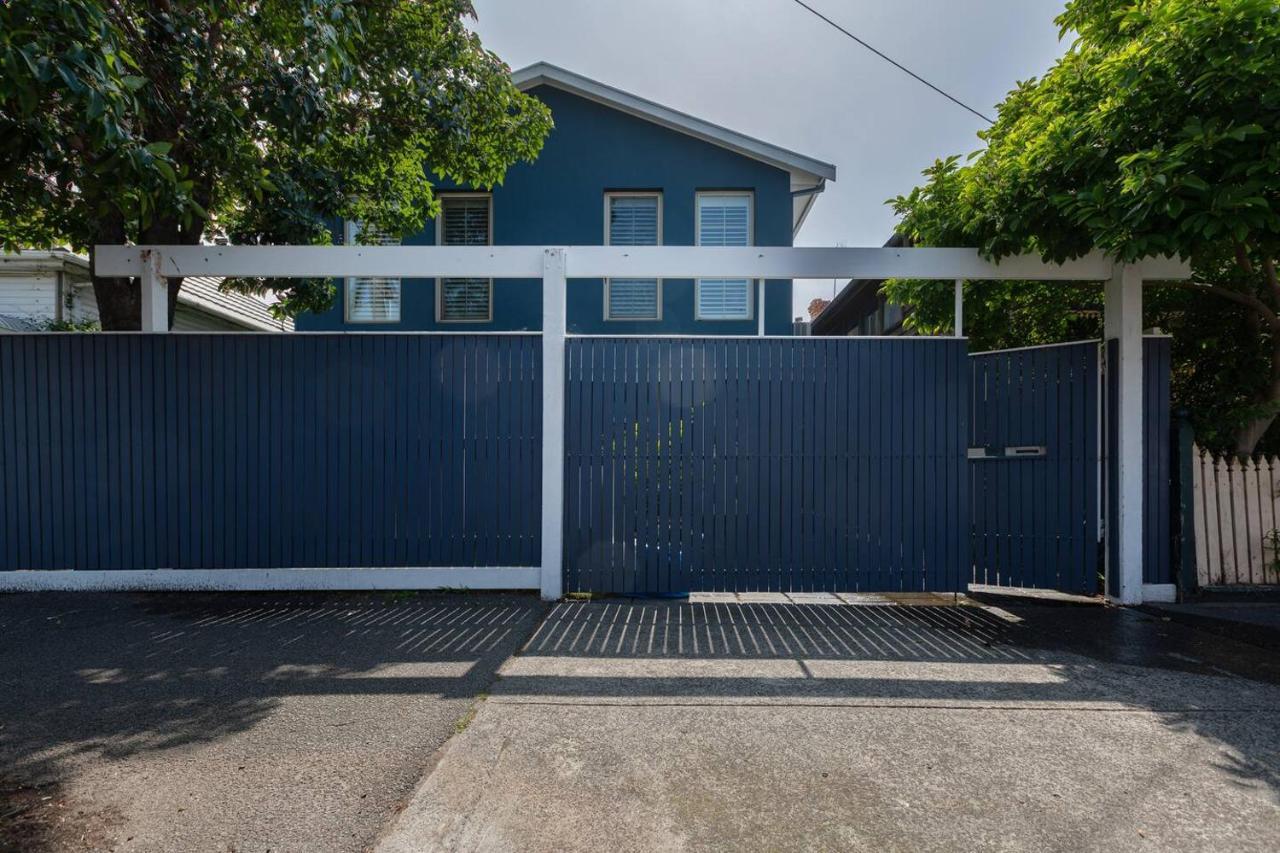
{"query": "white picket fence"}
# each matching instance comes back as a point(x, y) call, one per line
point(1237, 515)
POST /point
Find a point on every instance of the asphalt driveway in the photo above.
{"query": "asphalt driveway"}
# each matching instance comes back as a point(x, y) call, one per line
point(234, 722)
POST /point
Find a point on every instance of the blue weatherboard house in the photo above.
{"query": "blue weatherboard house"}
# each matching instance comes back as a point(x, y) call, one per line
point(616, 170)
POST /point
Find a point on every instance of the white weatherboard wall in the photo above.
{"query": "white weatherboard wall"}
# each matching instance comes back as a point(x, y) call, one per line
point(30, 295)
point(556, 264)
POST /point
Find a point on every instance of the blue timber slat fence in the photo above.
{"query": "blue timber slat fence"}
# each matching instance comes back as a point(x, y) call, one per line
point(261, 451)
point(1157, 470)
point(1035, 518)
point(801, 464)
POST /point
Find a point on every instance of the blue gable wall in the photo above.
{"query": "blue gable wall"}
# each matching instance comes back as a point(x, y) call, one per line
point(559, 200)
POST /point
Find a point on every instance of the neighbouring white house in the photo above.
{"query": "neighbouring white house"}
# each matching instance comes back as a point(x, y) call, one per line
point(38, 289)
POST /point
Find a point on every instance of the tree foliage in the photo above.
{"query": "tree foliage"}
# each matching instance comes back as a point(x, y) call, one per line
point(1158, 132)
point(164, 121)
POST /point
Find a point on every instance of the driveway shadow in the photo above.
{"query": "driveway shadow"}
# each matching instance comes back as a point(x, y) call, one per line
point(1086, 659)
point(268, 688)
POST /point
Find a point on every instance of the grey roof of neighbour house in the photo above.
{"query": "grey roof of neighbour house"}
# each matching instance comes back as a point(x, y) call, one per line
point(9, 323)
point(853, 302)
point(202, 292)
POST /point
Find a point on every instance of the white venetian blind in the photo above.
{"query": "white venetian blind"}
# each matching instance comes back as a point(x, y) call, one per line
point(633, 221)
point(724, 220)
point(465, 222)
point(372, 300)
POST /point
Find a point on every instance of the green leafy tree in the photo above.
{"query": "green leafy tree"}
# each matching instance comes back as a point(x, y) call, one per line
point(169, 122)
point(1158, 132)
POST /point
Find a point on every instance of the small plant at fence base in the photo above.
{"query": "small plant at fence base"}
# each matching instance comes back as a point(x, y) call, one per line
point(1271, 542)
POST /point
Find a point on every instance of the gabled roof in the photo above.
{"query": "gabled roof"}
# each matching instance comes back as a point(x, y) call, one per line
point(202, 293)
point(808, 175)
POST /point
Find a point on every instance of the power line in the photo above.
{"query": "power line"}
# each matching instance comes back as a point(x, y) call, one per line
point(894, 63)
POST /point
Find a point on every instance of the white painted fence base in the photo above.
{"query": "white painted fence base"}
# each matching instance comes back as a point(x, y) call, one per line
point(1165, 593)
point(221, 580)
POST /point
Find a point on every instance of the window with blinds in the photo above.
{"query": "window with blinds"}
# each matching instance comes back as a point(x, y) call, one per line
point(372, 300)
point(465, 221)
point(634, 219)
point(724, 219)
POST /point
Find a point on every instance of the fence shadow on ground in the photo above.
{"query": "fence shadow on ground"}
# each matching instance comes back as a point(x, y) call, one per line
point(88, 677)
point(731, 630)
point(1023, 658)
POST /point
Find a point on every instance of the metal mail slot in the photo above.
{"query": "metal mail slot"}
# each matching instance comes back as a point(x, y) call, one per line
point(1025, 451)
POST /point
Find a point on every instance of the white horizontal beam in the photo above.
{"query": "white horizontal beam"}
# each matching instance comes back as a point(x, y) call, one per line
point(323, 261)
point(211, 580)
point(787, 262)
point(618, 261)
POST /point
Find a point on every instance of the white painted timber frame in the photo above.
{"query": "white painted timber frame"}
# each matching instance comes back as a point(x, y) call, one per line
point(554, 265)
point(1122, 320)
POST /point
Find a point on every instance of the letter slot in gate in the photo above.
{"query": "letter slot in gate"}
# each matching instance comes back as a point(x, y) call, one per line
point(1024, 451)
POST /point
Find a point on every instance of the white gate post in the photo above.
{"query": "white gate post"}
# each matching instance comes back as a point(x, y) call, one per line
point(553, 382)
point(959, 321)
point(1122, 321)
point(155, 294)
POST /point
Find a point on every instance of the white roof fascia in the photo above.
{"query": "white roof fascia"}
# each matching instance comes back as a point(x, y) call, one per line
point(46, 261)
point(802, 204)
point(800, 166)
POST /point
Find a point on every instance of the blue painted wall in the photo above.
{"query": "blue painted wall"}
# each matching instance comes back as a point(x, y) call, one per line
point(559, 200)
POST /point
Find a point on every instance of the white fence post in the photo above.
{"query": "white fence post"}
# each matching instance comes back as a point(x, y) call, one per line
point(155, 294)
point(553, 382)
point(1122, 319)
point(959, 309)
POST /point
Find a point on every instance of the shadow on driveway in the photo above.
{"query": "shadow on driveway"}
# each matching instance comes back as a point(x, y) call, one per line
point(202, 722)
point(640, 725)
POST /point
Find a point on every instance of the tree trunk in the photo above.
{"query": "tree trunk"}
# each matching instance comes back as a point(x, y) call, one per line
point(120, 299)
point(1248, 436)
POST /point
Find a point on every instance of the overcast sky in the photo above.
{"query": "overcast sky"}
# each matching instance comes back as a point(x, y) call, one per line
point(772, 70)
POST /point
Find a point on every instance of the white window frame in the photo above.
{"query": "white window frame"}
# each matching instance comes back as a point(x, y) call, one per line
point(752, 284)
point(440, 242)
point(349, 228)
point(608, 197)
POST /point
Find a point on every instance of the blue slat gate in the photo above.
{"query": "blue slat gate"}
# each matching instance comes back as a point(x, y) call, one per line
point(1037, 440)
point(191, 451)
point(1034, 467)
point(800, 464)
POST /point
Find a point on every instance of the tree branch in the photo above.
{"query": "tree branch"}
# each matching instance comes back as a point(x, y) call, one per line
point(1242, 257)
point(1246, 299)
point(1269, 269)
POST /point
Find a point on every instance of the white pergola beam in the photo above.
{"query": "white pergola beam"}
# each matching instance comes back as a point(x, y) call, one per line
point(605, 261)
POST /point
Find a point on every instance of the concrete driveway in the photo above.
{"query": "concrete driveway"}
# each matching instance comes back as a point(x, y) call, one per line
point(243, 723)
point(663, 726)
point(254, 723)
